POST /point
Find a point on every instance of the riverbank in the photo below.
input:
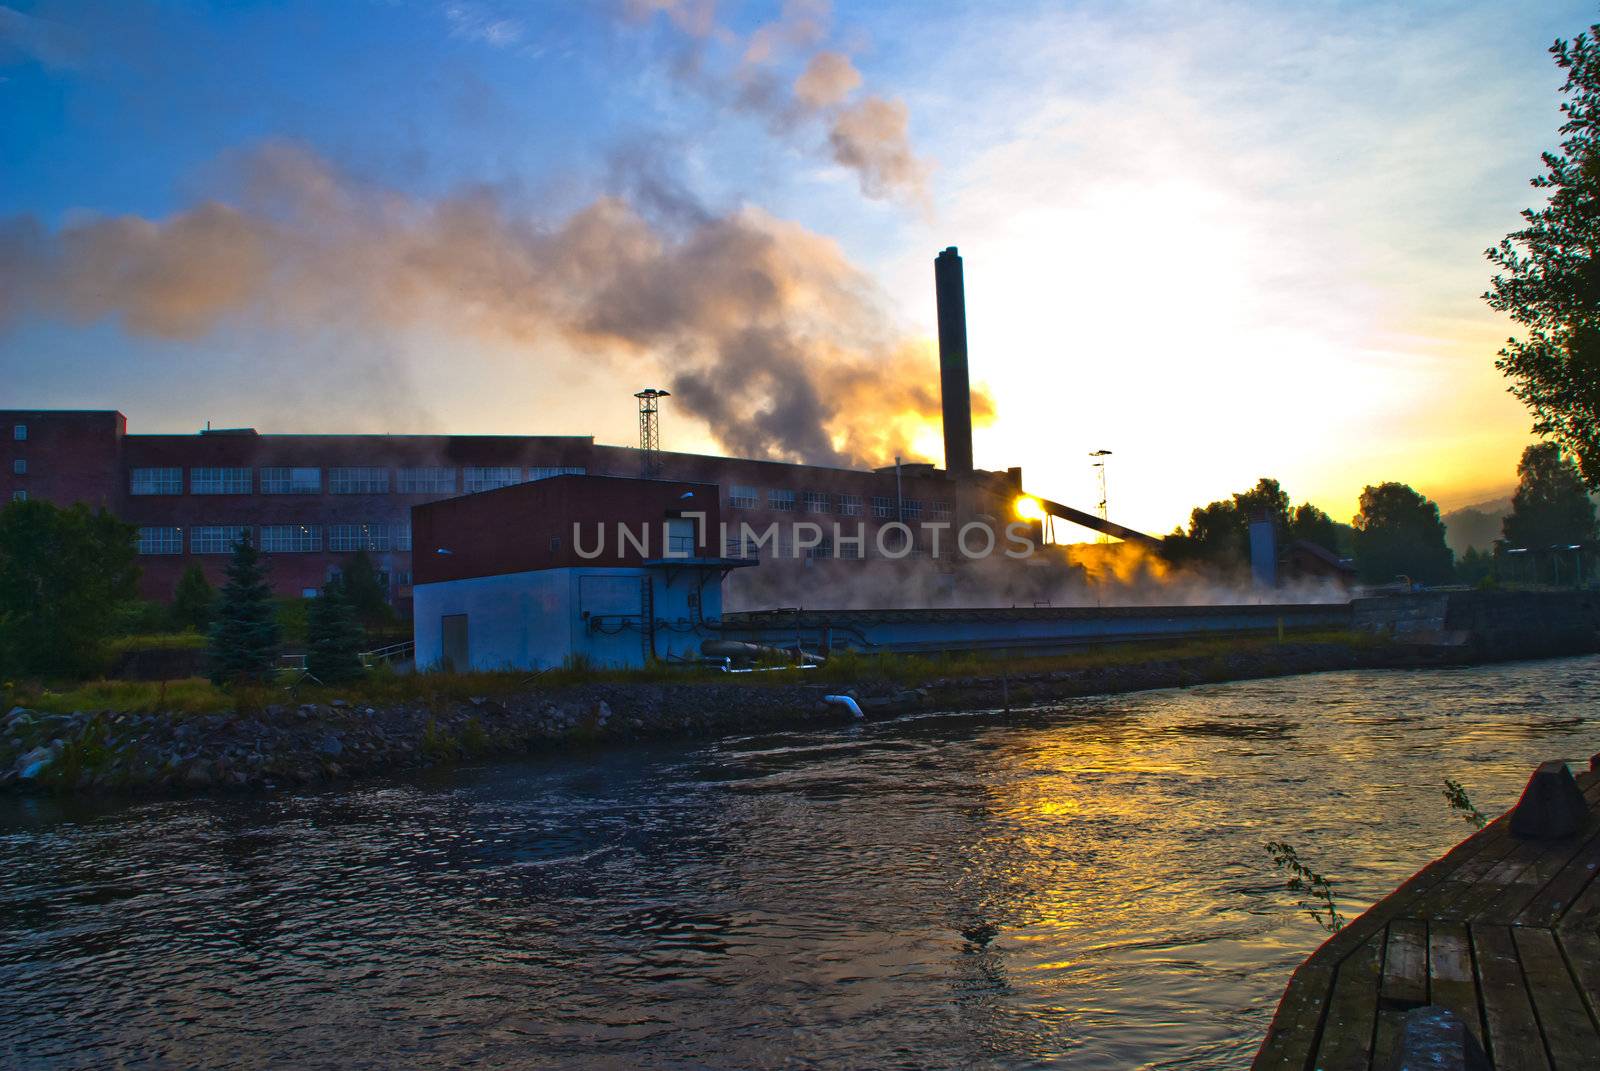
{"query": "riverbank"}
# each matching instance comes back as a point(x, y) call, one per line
point(271, 745)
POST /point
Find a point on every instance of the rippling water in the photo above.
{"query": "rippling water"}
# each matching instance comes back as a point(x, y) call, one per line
point(1083, 885)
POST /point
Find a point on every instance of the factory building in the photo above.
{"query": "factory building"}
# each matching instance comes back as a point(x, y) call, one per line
point(611, 571)
point(310, 501)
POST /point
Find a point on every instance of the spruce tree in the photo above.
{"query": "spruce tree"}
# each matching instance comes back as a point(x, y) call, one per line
point(334, 636)
point(193, 600)
point(244, 637)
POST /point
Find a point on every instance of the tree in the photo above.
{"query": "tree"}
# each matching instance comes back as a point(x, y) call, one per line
point(1475, 567)
point(1398, 533)
point(244, 637)
point(62, 574)
point(1314, 526)
point(1219, 534)
point(334, 636)
point(193, 600)
point(1551, 507)
point(366, 590)
point(1548, 277)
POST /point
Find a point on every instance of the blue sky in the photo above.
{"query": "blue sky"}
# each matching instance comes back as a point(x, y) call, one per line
point(1223, 240)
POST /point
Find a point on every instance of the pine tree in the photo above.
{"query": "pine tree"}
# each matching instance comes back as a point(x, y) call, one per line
point(193, 600)
point(334, 636)
point(244, 638)
point(366, 590)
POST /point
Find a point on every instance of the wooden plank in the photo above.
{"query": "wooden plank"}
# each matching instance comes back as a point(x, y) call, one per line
point(1470, 903)
point(1513, 1031)
point(1569, 1034)
point(1583, 956)
point(1405, 965)
point(1451, 983)
point(1387, 1040)
point(1552, 861)
point(1294, 1028)
point(1347, 1031)
point(1563, 890)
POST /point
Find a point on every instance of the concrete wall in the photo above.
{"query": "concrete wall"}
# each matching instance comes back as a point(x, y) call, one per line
point(1487, 624)
point(540, 618)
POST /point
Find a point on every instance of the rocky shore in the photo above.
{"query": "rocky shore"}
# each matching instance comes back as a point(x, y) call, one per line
point(107, 752)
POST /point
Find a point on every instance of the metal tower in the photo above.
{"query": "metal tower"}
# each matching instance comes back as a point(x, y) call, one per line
point(1100, 463)
point(650, 431)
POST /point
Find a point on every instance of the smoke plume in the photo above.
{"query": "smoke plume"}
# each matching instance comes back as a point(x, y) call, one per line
point(869, 136)
point(762, 328)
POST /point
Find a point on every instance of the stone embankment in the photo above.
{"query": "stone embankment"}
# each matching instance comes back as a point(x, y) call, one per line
point(110, 752)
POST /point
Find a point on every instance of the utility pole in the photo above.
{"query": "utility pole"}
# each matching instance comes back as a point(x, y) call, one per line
point(650, 431)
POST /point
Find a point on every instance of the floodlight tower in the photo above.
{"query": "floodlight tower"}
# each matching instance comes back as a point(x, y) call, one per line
point(1100, 464)
point(650, 430)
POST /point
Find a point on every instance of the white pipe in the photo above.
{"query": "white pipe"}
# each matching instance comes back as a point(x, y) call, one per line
point(845, 701)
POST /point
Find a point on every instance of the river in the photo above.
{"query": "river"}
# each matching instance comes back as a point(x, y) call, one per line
point(1083, 885)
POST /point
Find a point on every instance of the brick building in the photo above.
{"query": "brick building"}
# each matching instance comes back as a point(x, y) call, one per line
point(309, 501)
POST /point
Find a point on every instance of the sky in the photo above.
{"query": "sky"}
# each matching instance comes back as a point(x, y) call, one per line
point(1221, 240)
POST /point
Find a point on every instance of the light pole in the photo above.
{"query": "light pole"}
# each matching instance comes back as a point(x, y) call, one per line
point(1100, 464)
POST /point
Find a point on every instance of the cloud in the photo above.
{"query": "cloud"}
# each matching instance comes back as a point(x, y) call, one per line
point(762, 328)
point(828, 79)
point(29, 37)
point(474, 22)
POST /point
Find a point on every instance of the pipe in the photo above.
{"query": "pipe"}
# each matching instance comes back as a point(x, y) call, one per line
point(849, 704)
point(1091, 521)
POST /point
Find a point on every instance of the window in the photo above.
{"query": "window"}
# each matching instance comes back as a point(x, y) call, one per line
point(19, 496)
point(401, 535)
point(290, 538)
point(850, 505)
point(156, 482)
point(402, 578)
point(939, 509)
point(349, 537)
point(736, 548)
point(851, 548)
point(780, 500)
point(815, 501)
point(883, 507)
point(426, 481)
point(19, 432)
point(487, 479)
point(821, 550)
point(161, 541)
point(219, 481)
point(913, 509)
point(546, 473)
point(365, 481)
point(291, 481)
point(216, 538)
point(743, 498)
point(19, 467)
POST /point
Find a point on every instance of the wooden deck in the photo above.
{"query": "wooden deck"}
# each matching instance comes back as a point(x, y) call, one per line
point(1504, 932)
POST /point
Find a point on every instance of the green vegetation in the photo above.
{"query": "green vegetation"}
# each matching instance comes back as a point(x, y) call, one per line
point(335, 637)
point(244, 640)
point(1316, 889)
point(365, 589)
point(1456, 796)
point(193, 601)
point(381, 687)
point(60, 571)
point(1547, 274)
point(1399, 533)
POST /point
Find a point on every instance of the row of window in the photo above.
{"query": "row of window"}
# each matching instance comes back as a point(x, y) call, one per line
point(884, 507)
point(342, 481)
point(276, 538)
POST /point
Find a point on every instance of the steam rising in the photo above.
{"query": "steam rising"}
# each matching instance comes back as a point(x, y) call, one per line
point(761, 327)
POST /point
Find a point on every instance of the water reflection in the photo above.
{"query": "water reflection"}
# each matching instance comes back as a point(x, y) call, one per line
point(1084, 885)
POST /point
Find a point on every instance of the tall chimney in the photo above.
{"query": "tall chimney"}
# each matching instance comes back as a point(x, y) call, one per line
point(954, 390)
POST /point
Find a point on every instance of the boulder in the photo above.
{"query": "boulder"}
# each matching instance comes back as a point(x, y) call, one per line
point(1551, 806)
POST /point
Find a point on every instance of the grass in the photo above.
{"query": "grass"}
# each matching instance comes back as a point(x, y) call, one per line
point(438, 691)
point(157, 641)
